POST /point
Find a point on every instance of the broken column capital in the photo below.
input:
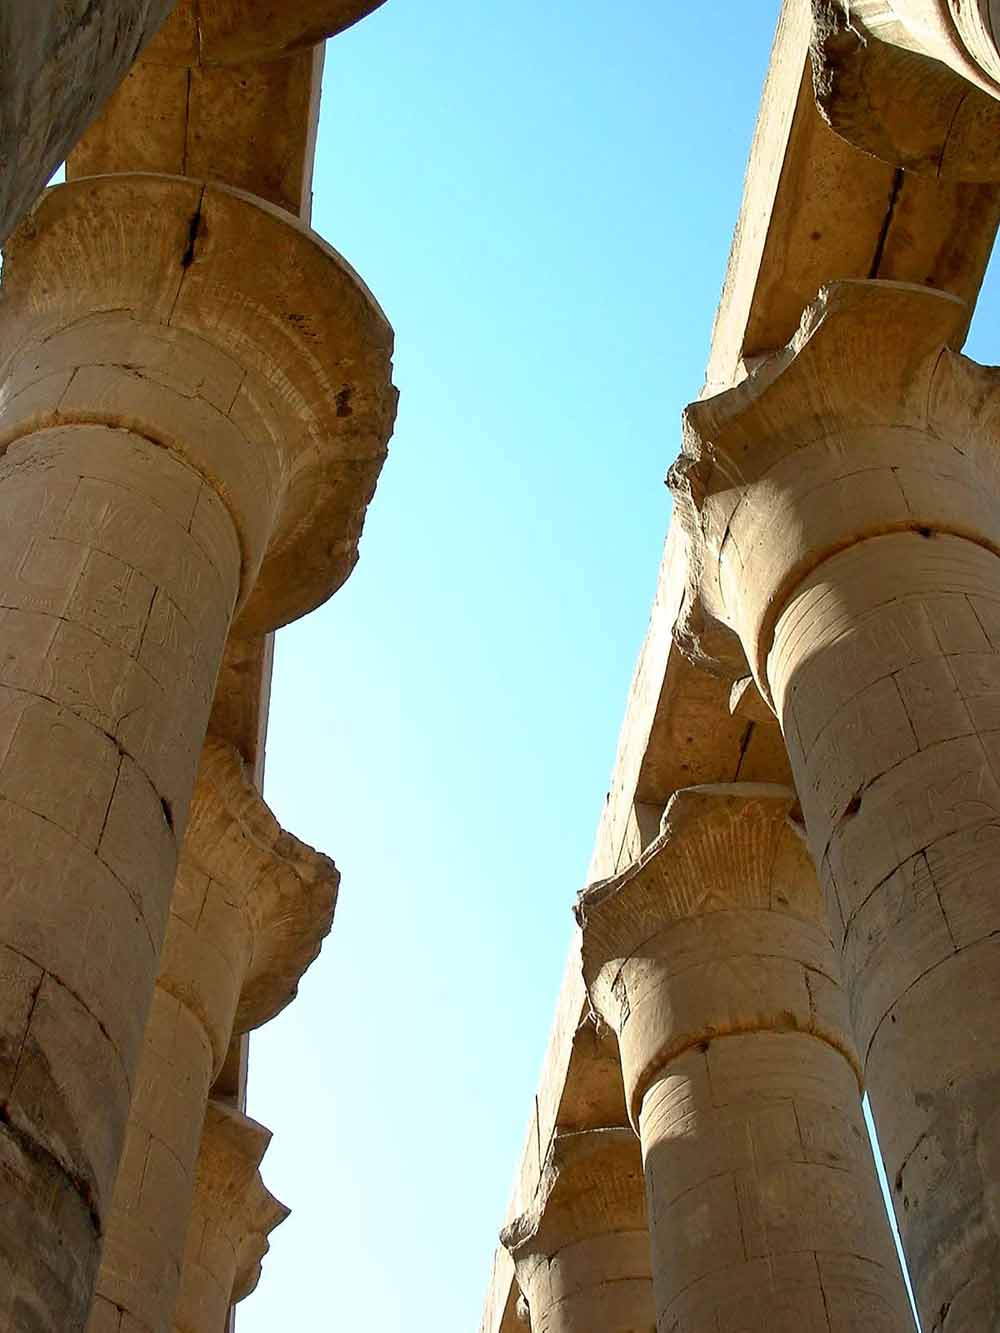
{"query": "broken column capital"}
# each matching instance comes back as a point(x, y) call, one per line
point(582, 1247)
point(913, 82)
point(867, 423)
point(224, 330)
point(234, 32)
point(719, 929)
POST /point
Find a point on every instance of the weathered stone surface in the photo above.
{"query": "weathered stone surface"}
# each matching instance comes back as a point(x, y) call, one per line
point(712, 962)
point(249, 126)
point(116, 612)
point(282, 388)
point(58, 64)
point(232, 1217)
point(250, 909)
point(910, 94)
point(236, 32)
point(867, 599)
point(815, 209)
point(582, 1251)
point(197, 354)
point(176, 448)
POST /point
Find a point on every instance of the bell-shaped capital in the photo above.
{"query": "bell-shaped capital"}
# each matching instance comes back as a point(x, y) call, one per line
point(833, 439)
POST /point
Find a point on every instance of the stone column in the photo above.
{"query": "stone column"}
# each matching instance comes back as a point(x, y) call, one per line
point(250, 910)
point(914, 82)
point(232, 1217)
point(58, 64)
point(711, 959)
point(581, 1253)
point(195, 391)
point(843, 516)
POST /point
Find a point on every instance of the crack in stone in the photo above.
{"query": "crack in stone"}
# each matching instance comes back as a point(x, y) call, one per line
point(883, 236)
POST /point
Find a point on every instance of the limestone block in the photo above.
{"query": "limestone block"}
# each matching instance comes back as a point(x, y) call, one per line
point(59, 63)
point(581, 1251)
point(845, 532)
point(914, 82)
point(711, 959)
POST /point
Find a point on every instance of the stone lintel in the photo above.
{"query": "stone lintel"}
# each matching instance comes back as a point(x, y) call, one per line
point(236, 32)
point(242, 696)
point(178, 259)
point(251, 127)
point(814, 209)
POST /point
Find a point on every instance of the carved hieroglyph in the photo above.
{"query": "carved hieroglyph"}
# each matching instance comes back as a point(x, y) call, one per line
point(711, 960)
point(582, 1251)
point(250, 910)
point(914, 82)
point(194, 406)
point(58, 64)
point(842, 510)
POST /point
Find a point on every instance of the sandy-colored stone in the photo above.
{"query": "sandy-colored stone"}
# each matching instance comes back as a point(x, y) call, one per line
point(914, 82)
point(237, 32)
point(171, 439)
point(581, 1252)
point(847, 534)
point(196, 402)
point(249, 126)
point(711, 960)
point(250, 909)
point(232, 1217)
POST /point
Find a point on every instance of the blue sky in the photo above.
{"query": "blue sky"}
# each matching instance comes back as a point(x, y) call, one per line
point(542, 197)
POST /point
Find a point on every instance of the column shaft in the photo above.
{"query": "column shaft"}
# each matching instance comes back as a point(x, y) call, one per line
point(232, 1217)
point(251, 905)
point(849, 537)
point(581, 1252)
point(60, 63)
point(763, 1202)
point(711, 960)
point(886, 671)
point(118, 574)
point(144, 1248)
